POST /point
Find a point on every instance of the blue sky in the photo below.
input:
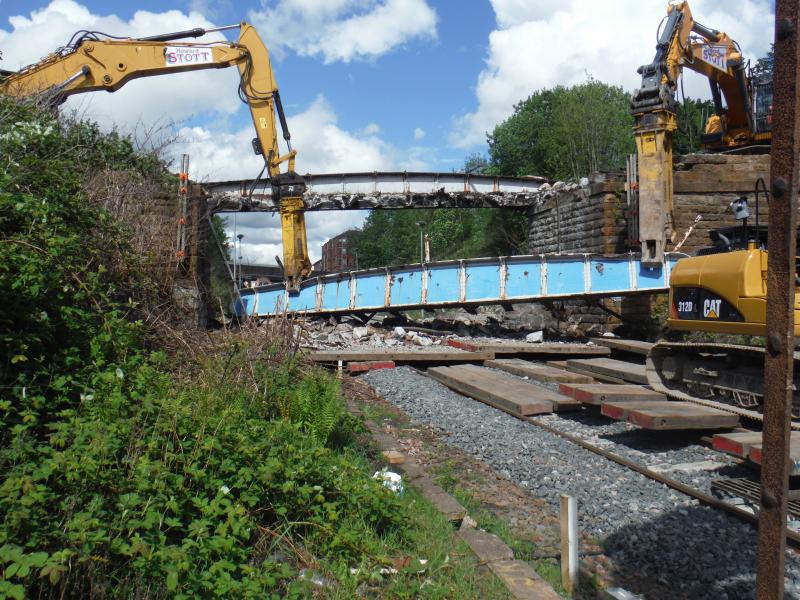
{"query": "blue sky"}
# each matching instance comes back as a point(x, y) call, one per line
point(368, 84)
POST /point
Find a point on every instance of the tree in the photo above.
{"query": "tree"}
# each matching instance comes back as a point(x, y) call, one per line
point(476, 163)
point(218, 249)
point(391, 237)
point(764, 65)
point(692, 117)
point(564, 132)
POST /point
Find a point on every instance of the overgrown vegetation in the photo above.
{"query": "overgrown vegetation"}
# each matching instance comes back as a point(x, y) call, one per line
point(220, 467)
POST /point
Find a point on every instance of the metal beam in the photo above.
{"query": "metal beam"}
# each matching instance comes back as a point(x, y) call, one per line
point(454, 283)
point(343, 191)
point(779, 358)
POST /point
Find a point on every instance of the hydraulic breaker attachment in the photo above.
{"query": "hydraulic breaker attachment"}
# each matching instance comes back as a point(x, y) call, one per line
point(654, 150)
point(296, 264)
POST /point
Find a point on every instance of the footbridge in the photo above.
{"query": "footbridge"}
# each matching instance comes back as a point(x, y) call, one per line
point(462, 283)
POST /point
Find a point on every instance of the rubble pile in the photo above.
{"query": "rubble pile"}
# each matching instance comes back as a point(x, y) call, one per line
point(529, 323)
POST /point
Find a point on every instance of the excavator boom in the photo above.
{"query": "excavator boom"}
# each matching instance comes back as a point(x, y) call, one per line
point(685, 43)
point(95, 63)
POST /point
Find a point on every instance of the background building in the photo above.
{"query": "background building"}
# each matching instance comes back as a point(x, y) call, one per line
point(339, 253)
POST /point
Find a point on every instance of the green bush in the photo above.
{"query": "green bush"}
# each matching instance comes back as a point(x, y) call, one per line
point(119, 479)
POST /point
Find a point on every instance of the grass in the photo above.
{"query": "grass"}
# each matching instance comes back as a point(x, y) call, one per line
point(447, 476)
point(451, 571)
point(378, 413)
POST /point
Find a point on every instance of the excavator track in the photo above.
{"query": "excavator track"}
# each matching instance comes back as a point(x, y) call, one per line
point(724, 376)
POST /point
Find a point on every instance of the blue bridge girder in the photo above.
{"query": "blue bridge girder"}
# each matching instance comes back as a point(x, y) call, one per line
point(462, 283)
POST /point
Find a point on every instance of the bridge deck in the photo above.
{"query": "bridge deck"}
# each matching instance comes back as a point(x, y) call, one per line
point(391, 190)
point(473, 282)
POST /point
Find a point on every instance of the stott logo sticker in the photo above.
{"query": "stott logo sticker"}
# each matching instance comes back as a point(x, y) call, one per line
point(711, 308)
point(716, 56)
point(177, 56)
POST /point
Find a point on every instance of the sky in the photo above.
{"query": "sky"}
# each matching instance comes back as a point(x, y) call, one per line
point(368, 85)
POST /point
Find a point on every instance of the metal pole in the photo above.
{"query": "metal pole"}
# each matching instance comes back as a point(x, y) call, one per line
point(235, 254)
point(183, 195)
point(241, 274)
point(421, 225)
point(569, 542)
point(779, 360)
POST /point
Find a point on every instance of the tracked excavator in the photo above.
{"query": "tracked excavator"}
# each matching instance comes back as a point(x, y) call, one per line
point(93, 61)
point(722, 291)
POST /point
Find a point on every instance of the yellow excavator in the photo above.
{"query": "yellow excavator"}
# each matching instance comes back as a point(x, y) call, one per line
point(720, 292)
point(744, 120)
point(93, 61)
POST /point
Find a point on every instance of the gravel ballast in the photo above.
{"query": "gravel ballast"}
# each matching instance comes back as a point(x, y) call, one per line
point(644, 526)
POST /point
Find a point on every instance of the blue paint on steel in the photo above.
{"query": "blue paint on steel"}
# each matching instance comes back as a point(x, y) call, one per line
point(371, 289)
point(565, 276)
point(609, 275)
point(483, 281)
point(264, 301)
point(305, 300)
point(443, 286)
point(406, 287)
point(335, 293)
point(650, 278)
point(524, 278)
point(477, 281)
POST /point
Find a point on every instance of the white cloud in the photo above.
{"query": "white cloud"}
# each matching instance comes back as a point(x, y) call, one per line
point(323, 147)
point(372, 129)
point(541, 44)
point(152, 100)
point(343, 30)
point(419, 133)
point(262, 233)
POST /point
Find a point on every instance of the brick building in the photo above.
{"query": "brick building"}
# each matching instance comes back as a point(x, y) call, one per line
point(339, 253)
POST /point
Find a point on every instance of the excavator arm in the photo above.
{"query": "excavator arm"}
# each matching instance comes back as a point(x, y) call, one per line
point(93, 63)
point(683, 43)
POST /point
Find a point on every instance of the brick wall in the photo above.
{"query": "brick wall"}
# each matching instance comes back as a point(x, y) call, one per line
point(593, 220)
point(590, 219)
point(706, 184)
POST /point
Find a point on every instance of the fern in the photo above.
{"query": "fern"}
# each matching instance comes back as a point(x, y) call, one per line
point(314, 405)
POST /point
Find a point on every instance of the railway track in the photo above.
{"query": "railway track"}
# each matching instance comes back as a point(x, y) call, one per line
point(585, 441)
point(662, 503)
point(704, 497)
point(792, 537)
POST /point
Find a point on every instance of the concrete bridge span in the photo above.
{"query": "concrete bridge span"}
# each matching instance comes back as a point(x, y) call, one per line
point(391, 190)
